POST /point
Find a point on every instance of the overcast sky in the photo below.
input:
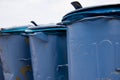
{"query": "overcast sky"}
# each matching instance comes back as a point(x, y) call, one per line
point(21, 12)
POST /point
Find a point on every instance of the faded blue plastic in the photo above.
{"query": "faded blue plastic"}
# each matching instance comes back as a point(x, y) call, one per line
point(15, 56)
point(94, 46)
point(48, 52)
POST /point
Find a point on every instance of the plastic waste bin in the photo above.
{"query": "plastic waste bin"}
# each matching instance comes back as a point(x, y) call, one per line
point(93, 38)
point(15, 54)
point(48, 52)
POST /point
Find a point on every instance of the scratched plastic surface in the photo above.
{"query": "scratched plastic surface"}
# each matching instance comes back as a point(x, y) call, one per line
point(94, 49)
point(49, 56)
point(15, 57)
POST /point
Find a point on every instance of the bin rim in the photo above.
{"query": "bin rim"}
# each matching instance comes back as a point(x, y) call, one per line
point(33, 29)
point(18, 29)
point(103, 10)
point(46, 28)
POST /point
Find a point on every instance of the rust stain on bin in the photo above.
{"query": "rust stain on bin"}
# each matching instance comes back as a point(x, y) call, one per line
point(24, 71)
point(17, 78)
point(27, 40)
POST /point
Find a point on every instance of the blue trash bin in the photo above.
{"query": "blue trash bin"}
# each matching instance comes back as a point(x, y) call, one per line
point(15, 54)
point(49, 53)
point(93, 38)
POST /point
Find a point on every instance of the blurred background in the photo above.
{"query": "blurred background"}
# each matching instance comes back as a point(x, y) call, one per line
point(21, 12)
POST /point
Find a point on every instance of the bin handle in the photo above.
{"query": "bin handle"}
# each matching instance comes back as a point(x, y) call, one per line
point(39, 35)
point(24, 59)
point(34, 23)
point(117, 69)
point(76, 4)
point(61, 66)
